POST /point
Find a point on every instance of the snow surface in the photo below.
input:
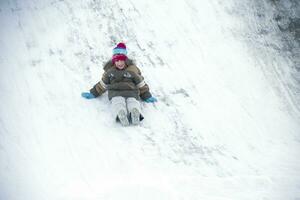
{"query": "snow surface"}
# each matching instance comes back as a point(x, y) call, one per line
point(225, 126)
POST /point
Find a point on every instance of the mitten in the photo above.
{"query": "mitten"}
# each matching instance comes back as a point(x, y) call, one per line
point(87, 95)
point(151, 100)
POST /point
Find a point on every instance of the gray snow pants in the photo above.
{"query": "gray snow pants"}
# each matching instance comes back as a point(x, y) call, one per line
point(127, 104)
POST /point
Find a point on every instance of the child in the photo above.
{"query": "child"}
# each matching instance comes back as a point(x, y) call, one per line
point(122, 85)
point(98, 89)
point(125, 86)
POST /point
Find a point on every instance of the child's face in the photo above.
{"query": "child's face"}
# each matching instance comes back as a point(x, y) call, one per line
point(120, 64)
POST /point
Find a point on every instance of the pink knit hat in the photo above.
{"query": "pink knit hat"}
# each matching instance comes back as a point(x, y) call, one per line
point(118, 57)
point(120, 49)
point(121, 45)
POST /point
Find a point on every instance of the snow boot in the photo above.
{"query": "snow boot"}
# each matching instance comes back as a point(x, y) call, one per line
point(135, 116)
point(123, 118)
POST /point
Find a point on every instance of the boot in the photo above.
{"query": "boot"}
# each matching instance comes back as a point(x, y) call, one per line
point(135, 116)
point(123, 118)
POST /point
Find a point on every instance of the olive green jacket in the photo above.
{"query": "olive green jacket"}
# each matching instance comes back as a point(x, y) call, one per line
point(124, 83)
point(100, 87)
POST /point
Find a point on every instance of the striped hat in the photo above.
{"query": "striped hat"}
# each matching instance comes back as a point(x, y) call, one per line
point(120, 49)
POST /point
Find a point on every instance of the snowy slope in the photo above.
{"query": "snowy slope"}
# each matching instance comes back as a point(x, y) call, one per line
point(225, 127)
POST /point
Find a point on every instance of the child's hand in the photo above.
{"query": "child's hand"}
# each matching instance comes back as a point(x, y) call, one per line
point(151, 100)
point(87, 95)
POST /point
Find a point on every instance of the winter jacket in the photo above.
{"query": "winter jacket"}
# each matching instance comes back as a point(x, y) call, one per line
point(144, 92)
point(124, 82)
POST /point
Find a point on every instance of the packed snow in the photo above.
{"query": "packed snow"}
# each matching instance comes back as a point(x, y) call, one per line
point(225, 126)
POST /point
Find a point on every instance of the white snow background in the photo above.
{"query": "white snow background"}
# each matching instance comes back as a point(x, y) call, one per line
point(225, 126)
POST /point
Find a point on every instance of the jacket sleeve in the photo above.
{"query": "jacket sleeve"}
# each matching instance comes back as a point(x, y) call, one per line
point(97, 90)
point(145, 92)
point(100, 87)
point(144, 88)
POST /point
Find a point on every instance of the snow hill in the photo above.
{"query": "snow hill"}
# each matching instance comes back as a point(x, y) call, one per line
point(226, 125)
